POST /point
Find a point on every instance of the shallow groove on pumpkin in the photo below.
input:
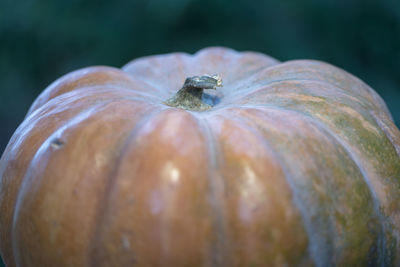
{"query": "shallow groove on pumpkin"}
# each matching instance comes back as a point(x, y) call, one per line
point(216, 189)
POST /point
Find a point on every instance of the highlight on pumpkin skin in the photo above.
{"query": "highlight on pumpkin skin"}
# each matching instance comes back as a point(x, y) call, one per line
point(189, 97)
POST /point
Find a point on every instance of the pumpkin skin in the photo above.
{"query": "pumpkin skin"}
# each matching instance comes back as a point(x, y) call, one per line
point(297, 163)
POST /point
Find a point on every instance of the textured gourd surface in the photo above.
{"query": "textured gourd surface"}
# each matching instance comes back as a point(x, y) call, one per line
point(296, 163)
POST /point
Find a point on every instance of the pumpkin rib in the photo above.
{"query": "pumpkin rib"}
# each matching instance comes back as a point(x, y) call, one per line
point(90, 77)
point(104, 88)
point(62, 83)
point(374, 166)
point(327, 72)
point(286, 95)
point(313, 120)
point(68, 101)
point(389, 128)
point(376, 98)
point(314, 245)
point(94, 254)
point(292, 251)
point(100, 108)
point(36, 161)
point(305, 68)
point(99, 91)
point(168, 161)
point(352, 97)
point(17, 141)
point(307, 91)
point(14, 146)
point(386, 190)
point(383, 253)
point(239, 95)
point(302, 208)
point(219, 246)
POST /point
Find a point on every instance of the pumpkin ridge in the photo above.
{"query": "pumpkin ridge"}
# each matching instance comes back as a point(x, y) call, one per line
point(385, 136)
point(78, 118)
point(239, 95)
point(307, 67)
point(382, 246)
point(94, 254)
point(300, 207)
point(101, 108)
point(84, 77)
point(320, 67)
point(342, 103)
point(94, 91)
point(156, 87)
point(112, 88)
point(376, 98)
point(388, 127)
point(386, 189)
point(31, 122)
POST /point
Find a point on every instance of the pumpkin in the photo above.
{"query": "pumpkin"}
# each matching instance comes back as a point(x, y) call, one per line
point(294, 163)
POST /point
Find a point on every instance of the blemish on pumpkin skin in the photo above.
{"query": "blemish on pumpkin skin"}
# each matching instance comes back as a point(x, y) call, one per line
point(125, 242)
point(57, 143)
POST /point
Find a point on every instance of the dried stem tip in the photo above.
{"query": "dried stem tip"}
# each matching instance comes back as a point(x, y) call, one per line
point(189, 97)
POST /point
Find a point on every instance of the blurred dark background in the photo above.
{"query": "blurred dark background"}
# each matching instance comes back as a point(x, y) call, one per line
point(43, 39)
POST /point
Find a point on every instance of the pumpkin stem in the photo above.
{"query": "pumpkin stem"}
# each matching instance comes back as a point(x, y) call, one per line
point(190, 96)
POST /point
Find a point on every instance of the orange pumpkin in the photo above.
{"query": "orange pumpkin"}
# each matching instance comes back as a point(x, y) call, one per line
point(294, 163)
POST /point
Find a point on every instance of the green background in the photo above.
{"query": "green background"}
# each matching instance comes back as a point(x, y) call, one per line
point(42, 40)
